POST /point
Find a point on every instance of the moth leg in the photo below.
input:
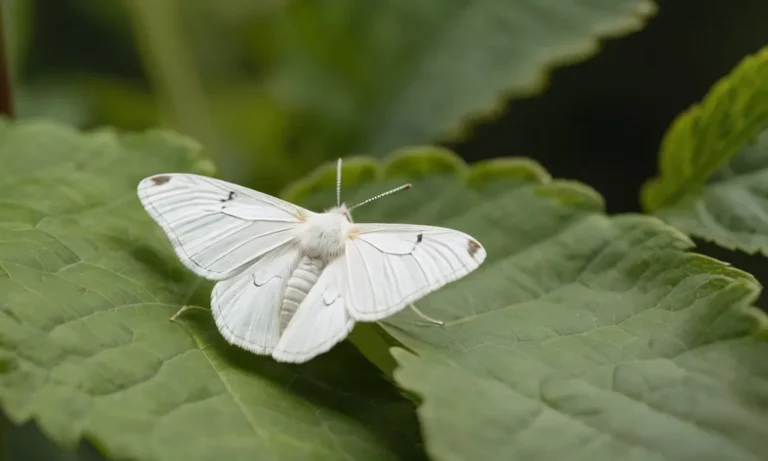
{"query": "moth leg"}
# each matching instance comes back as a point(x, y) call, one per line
point(426, 317)
point(184, 308)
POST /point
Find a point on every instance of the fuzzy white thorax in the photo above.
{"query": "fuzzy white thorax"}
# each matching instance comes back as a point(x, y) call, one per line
point(324, 235)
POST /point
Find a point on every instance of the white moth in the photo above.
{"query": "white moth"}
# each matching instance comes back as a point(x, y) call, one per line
point(291, 282)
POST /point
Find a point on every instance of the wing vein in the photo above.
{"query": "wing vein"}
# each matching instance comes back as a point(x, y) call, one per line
point(370, 279)
point(450, 248)
point(224, 254)
point(352, 297)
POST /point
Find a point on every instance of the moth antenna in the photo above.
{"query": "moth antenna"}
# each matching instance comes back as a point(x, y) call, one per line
point(396, 189)
point(338, 183)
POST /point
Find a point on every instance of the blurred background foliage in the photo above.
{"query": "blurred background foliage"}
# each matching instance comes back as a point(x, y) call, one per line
point(275, 87)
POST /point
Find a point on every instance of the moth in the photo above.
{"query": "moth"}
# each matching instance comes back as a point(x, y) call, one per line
point(292, 282)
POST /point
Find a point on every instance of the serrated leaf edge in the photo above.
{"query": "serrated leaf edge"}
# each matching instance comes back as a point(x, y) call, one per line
point(590, 47)
point(476, 175)
point(653, 197)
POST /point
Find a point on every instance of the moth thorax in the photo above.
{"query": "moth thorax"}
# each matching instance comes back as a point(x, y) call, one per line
point(323, 236)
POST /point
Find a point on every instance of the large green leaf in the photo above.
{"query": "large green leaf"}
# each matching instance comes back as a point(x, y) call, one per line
point(582, 336)
point(87, 283)
point(713, 163)
point(369, 77)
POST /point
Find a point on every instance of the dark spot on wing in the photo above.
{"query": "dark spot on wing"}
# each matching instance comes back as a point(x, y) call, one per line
point(419, 238)
point(229, 197)
point(160, 180)
point(472, 247)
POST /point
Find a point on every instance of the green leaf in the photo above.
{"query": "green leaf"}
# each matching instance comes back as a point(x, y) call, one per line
point(582, 336)
point(87, 283)
point(713, 163)
point(366, 78)
point(732, 209)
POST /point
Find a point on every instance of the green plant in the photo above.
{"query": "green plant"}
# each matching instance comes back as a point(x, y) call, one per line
point(583, 336)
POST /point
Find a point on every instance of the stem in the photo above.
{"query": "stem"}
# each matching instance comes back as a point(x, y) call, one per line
point(171, 69)
point(6, 97)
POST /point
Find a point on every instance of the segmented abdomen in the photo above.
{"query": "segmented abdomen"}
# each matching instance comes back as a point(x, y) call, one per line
point(301, 281)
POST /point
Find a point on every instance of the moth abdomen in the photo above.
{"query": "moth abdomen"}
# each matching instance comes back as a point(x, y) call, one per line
point(303, 278)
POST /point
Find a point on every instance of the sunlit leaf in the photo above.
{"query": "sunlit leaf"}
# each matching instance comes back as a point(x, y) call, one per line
point(714, 163)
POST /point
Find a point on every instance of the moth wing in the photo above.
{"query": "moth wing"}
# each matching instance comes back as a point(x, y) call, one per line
point(321, 320)
point(217, 228)
point(246, 308)
point(392, 265)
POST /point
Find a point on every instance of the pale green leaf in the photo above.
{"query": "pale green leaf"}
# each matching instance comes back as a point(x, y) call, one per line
point(369, 77)
point(87, 283)
point(582, 337)
point(713, 163)
point(732, 209)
